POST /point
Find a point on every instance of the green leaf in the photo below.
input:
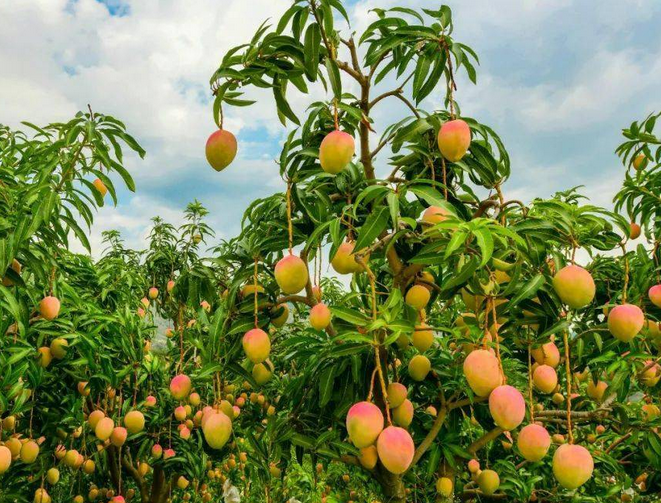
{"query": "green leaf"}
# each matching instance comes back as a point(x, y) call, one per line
point(334, 78)
point(373, 226)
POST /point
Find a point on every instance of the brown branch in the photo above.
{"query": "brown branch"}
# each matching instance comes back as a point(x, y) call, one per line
point(484, 440)
point(431, 436)
point(484, 206)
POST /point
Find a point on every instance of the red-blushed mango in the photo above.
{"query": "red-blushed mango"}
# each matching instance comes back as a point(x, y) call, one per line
point(261, 374)
point(256, 345)
point(49, 307)
point(320, 316)
point(221, 149)
point(335, 152)
point(169, 286)
point(364, 424)
point(282, 317)
point(473, 466)
point(654, 294)
point(547, 354)
point(419, 367)
point(118, 436)
point(417, 297)
point(5, 459)
point(104, 428)
point(454, 138)
point(435, 215)
point(100, 187)
point(368, 457)
point(397, 393)
point(156, 451)
point(625, 321)
point(533, 442)
point(396, 449)
point(58, 348)
point(634, 230)
point(640, 161)
point(217, 430)
point(29, 452)
point(507, 407)
point(596, 390)
point(572, 465)
point(488, 482)
point(180, 386)
point(94, 418)
point(403, 415)
point(153, 292)
point(169, 453)
point(482, 372)
point(575, 286)
point(545, 378)
point(150, 401)
point(291, 274)
point(41, 496)
point(423, 337)
point(134, 421)
point(444, 487)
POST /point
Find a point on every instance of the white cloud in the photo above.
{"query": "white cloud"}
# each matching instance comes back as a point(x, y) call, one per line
point(551, 71)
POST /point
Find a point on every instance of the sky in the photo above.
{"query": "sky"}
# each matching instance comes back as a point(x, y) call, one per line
point(557, 80)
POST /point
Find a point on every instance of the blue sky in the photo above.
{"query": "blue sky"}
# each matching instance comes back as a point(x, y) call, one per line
point(558, 80)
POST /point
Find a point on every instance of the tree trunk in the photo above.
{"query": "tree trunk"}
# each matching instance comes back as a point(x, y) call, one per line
point(392, 486)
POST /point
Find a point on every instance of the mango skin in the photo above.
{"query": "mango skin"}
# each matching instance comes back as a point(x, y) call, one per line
point(575, 286)
point(217, 430)
point(320, 316)
point(364, 423)
point(572, 465)
point(533, 442)
point(489, 482)
point(454, 139)
point(221, 149)
point(403, 415)
point(422, 339)
point(625, 322)
point(291, 274)
point(419, 367)
point(654, 294)
point(336, 151)
point(507, 407)
point(396, 449)
point(417, 297)
point(397, 393)
point(180, 386)
point(49, 308)
point(134, 421)
point(545, 378)
point(368, 457)
point(482, 372)
point(547, 354)
point(435, 215)
point(256, 345)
